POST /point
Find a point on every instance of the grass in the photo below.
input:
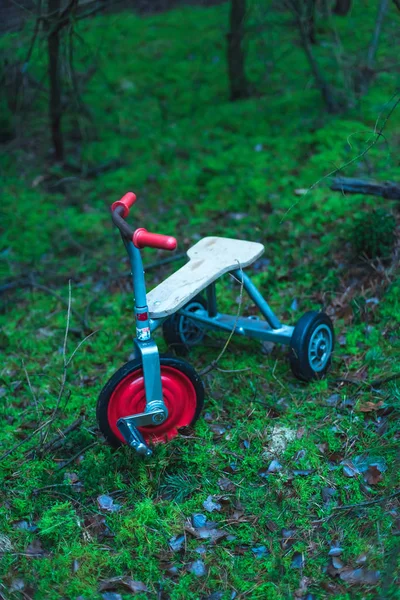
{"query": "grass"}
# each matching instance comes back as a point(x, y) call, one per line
point(199, 164)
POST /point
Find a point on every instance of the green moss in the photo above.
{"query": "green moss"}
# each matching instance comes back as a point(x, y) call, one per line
point(199, 164)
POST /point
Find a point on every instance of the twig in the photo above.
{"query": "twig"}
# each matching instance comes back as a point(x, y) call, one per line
point(214, 363)
point(32, 435)
point(64, 373)
point(58, 440)
point(368, 502)
point(379, 382)
point(70, 460)
point(377, 135)
point(39, 286)
point(79, 345)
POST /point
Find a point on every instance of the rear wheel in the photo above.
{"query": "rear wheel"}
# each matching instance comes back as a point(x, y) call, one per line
point(181, 332)
point(124, 395)
point(311, 346)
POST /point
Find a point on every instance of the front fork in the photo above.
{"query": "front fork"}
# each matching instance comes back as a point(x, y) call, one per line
point(146, 349)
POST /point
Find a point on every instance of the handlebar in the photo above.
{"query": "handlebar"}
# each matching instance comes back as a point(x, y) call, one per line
point(141, 238)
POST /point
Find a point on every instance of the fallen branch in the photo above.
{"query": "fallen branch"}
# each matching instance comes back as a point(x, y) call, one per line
point(368, 502)
point(59, 439)
point(350, 185)
point(73, 458)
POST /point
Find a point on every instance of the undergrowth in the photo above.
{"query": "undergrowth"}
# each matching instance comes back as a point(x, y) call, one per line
point(200, 165)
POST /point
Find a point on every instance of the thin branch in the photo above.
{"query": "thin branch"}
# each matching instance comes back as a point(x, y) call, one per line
point(377, 135)
point(32, 283)
point(214, 363)
point(32, 394)
point(58, 440)
point(368, 502)
point(32, 435)
point(79, 345)
point(64, 373)
point(73, 458)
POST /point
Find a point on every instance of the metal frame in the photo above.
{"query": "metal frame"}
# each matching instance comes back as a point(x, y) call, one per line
point(146, 349)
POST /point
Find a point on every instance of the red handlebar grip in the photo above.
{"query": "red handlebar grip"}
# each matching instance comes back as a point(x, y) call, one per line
point(126, 201)
point(143, 238)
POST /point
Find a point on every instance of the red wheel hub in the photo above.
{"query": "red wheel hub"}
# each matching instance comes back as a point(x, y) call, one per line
point(129, 398)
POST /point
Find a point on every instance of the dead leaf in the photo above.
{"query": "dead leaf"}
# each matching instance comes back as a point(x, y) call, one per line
point(107, 503)
point(38, 180)
point(226, 484)
point(274, 466)
point(124, 582)
point(359, 576)
point(303, 587)
point(327, 493)
point(349, 470)
point(271, 525)
point(260, 551)
point(289, 538)
point(217, 429)
point(35, 549)
point(373, 475)
point(208, 531)
point(300, 433)
point(176, 542)
point(362, 558)
point(24, 525)
point(297, 561)
point(198, 568)
point(110, 596)
point(335, 551)
point(96, 525)
point(17, 585)
point(210, 505)
point(367, 407)
point(71, 478)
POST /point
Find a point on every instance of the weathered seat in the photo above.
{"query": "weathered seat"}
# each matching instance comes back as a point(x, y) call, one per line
point(210, 258)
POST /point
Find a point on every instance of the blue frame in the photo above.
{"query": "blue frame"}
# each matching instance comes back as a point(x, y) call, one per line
point(270, 329)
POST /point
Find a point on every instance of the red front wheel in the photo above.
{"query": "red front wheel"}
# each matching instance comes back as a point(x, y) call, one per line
point(124, 395)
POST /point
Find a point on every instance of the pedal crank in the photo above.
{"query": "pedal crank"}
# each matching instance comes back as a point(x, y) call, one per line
point(128, 426)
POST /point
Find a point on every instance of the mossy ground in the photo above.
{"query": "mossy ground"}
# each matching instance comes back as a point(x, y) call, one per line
point(200, 164)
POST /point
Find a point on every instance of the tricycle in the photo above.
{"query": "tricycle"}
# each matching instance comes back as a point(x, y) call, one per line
point(150, 398)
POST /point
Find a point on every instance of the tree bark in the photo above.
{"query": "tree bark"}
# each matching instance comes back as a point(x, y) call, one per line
point(55, 104)
point(299, 11)
point(342, 7)
point(310, 20)
point(351, 185)
point(372, 50)
point(239, 87)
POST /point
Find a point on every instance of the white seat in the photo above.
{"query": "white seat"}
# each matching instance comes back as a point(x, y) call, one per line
point(210, 258)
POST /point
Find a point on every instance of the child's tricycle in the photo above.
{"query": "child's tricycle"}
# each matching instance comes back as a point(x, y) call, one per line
point(151, 397)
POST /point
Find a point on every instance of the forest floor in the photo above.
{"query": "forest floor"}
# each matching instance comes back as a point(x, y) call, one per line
point(80, 520)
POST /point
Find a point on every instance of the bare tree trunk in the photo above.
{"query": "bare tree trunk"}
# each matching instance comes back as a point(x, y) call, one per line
point(372, 50)
point(342, 7)
point(298, 8)
point(310, 20)
point(239, 87)
point(55, 105)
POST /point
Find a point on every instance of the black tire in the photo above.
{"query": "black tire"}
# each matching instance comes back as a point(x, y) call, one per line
point(129, 369)
point(174, 325)
point(311, 346)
